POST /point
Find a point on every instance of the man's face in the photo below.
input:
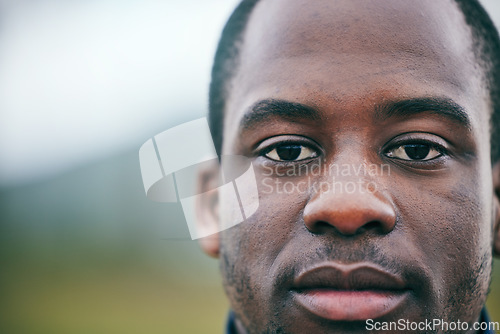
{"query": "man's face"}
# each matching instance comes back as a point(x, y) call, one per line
point(385, 98)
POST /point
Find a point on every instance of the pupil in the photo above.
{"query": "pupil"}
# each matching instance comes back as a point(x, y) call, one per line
point(290, 152)
point(417, 152)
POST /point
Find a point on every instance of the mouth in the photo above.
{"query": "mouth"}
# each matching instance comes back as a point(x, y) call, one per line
point(354, 292)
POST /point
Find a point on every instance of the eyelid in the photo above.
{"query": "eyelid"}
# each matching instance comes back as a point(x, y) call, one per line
point(286, 139)
point(268, 144)
point(398, 147)
point(417, 138)
point(436, 142)
point(313, 154)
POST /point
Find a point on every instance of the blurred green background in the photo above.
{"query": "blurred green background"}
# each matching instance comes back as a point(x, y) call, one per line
point(86, 252)
point(83, 84)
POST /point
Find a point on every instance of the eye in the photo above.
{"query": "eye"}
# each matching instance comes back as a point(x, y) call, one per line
point(415, 152)
point(291, 152)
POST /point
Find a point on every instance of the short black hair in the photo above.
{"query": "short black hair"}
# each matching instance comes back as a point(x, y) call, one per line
point(225, 66)
point(486, 48)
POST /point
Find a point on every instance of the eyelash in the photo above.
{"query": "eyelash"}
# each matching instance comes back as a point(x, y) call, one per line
point(274, 146)
point(443, 151)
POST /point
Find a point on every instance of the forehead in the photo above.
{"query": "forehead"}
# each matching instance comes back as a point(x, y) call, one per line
point(310, 51)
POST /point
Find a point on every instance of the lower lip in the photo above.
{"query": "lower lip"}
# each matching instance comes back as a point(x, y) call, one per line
point(346, 305)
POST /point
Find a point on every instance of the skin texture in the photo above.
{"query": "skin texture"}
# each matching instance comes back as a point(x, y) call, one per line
point(432, 223)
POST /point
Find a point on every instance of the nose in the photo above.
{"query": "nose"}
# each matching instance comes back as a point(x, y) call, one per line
point(350, 212)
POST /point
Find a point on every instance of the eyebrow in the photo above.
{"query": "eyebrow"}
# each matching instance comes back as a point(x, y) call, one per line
point(441, 106)
point(262, 110)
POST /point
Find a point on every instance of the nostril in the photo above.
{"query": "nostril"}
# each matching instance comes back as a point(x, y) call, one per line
point(321, 226)
point(349, 215)
point(371, 225)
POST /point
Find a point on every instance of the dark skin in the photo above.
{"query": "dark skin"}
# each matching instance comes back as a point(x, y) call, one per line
point(374, 80)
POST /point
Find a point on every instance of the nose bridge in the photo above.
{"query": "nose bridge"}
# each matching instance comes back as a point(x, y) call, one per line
point(350, 197)
point(352, 165)
point(351, 182)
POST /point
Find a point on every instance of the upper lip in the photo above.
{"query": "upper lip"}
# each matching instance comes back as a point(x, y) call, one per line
point(358, 276)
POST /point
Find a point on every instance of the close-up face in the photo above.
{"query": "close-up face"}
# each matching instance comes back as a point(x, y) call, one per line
point(367, 126)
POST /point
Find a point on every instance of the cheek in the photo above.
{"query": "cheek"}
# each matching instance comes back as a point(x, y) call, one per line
point(278, 217)
point(448, 222)
point(258, 240)
point(451, 221)
point(249, 249)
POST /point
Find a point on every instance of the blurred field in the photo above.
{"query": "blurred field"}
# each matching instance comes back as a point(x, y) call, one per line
point(86, 252)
